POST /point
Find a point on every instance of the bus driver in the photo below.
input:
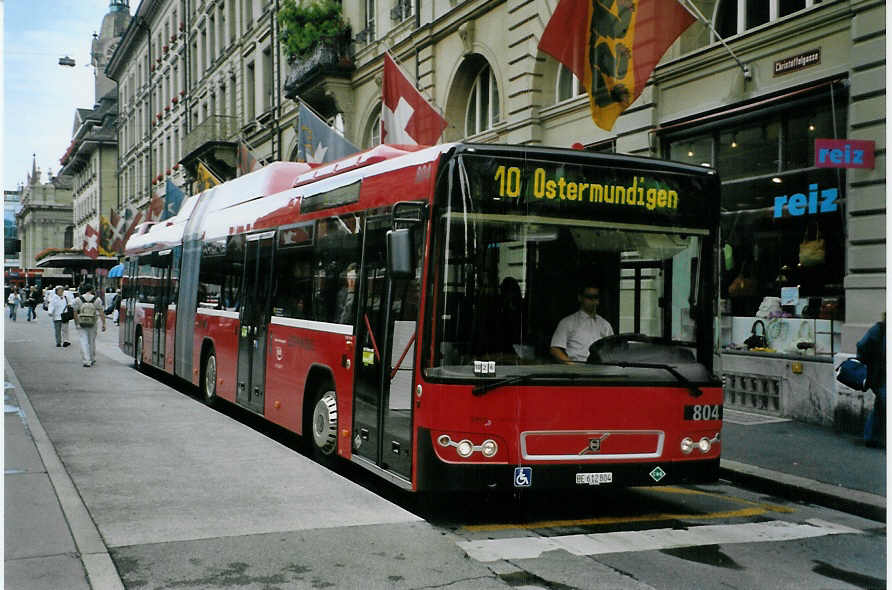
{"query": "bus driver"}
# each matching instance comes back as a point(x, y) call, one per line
point(576, 332)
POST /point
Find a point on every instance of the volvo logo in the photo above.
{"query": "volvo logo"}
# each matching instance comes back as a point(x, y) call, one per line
point(594, 445)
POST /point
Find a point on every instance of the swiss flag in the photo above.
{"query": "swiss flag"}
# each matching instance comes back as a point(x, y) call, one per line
point(406, 116)
point(91, 242)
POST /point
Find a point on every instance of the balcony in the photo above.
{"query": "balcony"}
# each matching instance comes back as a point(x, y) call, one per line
point(330, 58)
point(214, 141)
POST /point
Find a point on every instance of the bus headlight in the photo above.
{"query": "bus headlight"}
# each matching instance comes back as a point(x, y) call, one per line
point(464, 448)
point(687, 445)
point(489, 448)
point(705, 444)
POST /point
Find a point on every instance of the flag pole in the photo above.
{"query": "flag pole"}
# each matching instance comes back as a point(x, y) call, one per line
point(695, 12)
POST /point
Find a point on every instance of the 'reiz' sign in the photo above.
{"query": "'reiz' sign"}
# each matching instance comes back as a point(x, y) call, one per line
point(844, 153)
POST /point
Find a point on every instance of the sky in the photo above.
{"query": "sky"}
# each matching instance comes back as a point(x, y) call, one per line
point(39, 95)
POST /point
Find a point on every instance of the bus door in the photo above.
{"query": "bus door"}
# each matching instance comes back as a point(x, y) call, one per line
point(254, 319)
point(161, 271)
point(385, 356)
point(128, 304)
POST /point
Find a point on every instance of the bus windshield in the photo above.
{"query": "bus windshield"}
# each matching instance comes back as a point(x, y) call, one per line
point(505, 277)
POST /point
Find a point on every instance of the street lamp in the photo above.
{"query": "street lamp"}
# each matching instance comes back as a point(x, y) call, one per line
point(66, 61)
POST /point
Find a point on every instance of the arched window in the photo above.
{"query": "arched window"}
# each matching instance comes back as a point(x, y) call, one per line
point(483, 103)
point(568, 85)
point(372, 135)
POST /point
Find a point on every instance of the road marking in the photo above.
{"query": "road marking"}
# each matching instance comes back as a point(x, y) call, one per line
point(488, 550)
point(545, 524)
point(756, 509)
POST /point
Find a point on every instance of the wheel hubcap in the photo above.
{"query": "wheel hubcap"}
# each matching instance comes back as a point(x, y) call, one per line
point(210, 377)
point(325, 423)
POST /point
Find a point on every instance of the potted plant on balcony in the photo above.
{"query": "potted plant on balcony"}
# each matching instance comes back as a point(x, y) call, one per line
point(304, 24)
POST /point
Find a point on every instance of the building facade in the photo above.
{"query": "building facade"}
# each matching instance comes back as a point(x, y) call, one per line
point(196, 80)
point(43, 219)
point(91, 159)
point(199, 78)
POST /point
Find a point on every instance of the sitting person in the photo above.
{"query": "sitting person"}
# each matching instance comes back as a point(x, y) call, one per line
point(578, 331)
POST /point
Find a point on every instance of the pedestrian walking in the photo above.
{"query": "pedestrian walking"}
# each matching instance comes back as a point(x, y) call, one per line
point(14, 302)
point(872, 352)
point(56, 308)
point(67, 316)
point(31, 304)
point(88, 311)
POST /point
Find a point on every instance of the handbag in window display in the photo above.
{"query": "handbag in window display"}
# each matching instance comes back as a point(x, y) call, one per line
point(811, 250)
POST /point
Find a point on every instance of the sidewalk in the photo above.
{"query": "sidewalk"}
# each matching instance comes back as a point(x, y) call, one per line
point(804, 462)
point(49, 530)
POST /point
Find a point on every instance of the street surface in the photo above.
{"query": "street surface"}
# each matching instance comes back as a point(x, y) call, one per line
point(187, 496)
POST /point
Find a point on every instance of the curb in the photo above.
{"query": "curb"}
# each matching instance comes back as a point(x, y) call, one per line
point(100, 569)
point(797, 488)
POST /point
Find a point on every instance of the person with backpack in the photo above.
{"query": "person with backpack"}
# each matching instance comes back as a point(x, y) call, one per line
point(88, 310)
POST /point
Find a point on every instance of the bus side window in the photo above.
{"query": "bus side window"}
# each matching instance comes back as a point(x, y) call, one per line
point(293, 283)
point(337, 254)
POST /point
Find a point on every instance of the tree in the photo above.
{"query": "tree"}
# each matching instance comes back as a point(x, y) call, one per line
point(303, 24)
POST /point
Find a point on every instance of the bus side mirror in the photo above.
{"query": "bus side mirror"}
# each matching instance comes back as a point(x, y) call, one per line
point(400, 254)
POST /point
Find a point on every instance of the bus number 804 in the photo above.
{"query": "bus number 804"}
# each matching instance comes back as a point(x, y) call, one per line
point(703, 412)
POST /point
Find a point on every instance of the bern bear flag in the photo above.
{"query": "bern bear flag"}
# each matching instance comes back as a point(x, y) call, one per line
point(613, 46)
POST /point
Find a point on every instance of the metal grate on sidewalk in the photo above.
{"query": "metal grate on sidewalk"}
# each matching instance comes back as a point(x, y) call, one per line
point(758, 393)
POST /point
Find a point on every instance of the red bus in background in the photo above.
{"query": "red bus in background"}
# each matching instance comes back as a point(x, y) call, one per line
point(396, 309)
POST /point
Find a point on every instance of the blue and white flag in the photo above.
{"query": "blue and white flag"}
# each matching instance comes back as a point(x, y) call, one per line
point(317, 141)
point(173, 198)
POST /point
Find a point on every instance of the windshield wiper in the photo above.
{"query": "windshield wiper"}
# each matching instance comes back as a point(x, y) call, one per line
point(518, 379)
point(695, 391)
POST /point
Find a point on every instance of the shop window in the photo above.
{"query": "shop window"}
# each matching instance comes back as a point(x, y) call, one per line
point(748, 150)
point(696, 150)
point(783, 221)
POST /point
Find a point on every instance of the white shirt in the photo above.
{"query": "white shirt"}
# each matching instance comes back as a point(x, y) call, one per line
point(57, 305)
point(576, 333)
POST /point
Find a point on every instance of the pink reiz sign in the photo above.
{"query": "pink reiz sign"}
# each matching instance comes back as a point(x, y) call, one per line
point(844, 153)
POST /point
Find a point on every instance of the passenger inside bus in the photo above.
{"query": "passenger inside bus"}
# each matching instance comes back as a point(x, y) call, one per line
point(578, 331)
point(346, 301)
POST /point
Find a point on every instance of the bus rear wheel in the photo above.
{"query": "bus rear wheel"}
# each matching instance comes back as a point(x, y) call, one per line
point(209, 378)
point(324, 425)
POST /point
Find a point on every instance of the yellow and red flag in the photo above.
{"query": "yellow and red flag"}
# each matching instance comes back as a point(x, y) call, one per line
point(613, 46)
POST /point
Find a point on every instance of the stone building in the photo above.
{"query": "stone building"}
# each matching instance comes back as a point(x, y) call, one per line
point(91, 159)
point(43, 219)
point(195, 80)
point(198, 78)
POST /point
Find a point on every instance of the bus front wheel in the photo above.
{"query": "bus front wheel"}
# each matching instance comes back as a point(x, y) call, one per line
point(324, 426)
point(209, 378)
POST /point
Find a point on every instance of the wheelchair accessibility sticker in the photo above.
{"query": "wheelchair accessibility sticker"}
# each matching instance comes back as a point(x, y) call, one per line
point(523, 477)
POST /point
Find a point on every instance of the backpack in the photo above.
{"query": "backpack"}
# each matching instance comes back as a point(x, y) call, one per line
point(86, 316)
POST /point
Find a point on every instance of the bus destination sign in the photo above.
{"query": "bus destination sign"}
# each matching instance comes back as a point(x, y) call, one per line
point(551, 184)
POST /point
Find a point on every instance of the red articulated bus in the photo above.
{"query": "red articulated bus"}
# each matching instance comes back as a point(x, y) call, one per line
point(397, 309)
